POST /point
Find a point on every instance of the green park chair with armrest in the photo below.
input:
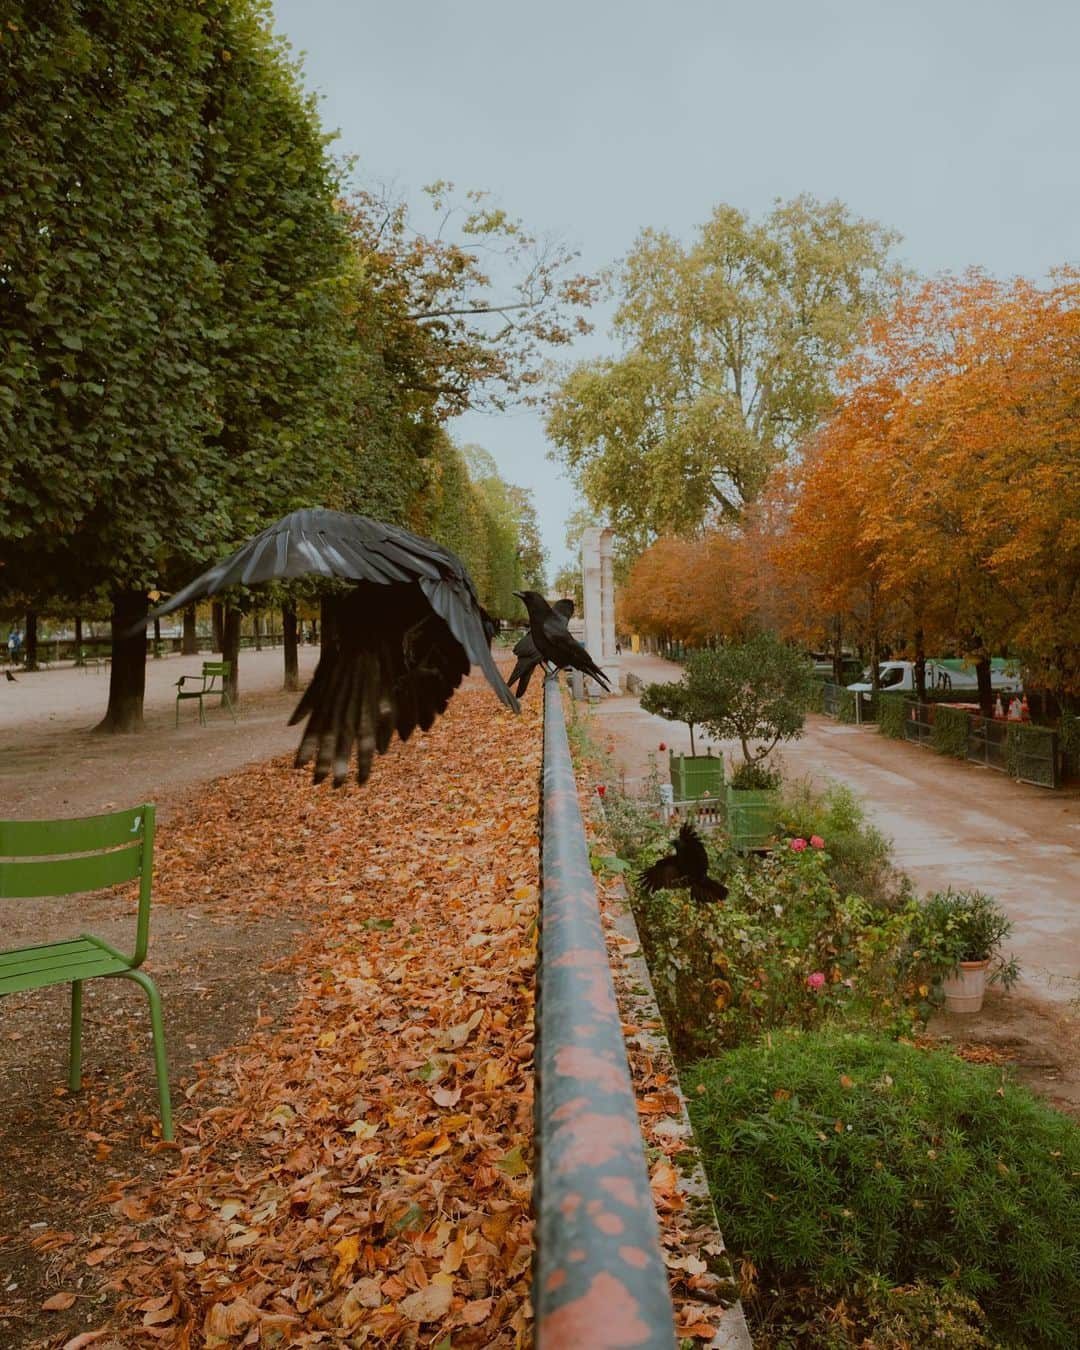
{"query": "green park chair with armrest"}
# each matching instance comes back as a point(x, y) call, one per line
point(212, 672)
point(68, 857)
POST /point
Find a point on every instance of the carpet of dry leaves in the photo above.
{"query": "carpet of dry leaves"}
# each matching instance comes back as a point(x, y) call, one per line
point(362, 1174)
point(358, 1171)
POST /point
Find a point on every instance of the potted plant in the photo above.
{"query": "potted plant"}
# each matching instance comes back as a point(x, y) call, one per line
point(961, 934)
point(757, 693)
point(693, 775)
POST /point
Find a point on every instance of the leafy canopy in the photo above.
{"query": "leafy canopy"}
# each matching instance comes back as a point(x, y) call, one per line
point(758, 691)
point(729, 350)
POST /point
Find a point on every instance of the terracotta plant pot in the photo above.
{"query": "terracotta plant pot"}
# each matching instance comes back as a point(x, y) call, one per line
point(965, 987)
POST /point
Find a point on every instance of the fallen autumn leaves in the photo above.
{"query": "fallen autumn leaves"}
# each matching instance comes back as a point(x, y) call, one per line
point(361, 1175)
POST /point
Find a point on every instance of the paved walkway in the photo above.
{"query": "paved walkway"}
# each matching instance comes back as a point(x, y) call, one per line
point(952, 823)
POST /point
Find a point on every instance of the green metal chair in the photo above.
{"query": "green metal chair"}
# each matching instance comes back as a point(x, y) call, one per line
point(66, 857)
point(212, 671)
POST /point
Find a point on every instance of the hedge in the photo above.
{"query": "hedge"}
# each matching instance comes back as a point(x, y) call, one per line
point(950, 733)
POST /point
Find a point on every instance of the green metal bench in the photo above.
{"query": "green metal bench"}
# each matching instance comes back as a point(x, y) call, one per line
point(212, 672)
point(67, 857)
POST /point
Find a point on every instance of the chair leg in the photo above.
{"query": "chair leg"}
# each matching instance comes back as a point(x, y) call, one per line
point(161, 1064)
point(202, 712)
point(75, 1051)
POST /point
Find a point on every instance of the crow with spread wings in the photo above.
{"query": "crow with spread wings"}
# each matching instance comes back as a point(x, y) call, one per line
point(405, 635)
point(688, 867)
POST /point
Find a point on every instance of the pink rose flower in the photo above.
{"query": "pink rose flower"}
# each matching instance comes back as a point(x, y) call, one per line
point(815, 981)
point(816, 841)
point(798, 845)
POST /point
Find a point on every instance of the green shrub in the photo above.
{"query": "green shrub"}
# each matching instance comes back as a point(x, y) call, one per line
point(892, 709)
point(950, 733)
point(786, 949)
point(835, 1159)
point(753, 778)
point(845, 705)
point(859, 856)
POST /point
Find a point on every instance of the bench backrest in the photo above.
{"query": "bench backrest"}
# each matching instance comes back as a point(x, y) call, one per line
point(221, 668)
point(66, 857)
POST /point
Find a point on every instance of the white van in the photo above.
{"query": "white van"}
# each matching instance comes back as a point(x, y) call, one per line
point(899, 677)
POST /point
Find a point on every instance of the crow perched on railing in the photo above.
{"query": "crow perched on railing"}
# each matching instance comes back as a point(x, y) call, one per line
point(403, 637)
point(688, 866)
point(528, 658)
point(554, 641)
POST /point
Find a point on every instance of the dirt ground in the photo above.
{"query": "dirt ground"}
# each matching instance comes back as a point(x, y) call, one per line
point(952, 824)
point(232, 970)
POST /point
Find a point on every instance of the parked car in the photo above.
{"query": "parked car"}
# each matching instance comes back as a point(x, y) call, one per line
point(899, 676)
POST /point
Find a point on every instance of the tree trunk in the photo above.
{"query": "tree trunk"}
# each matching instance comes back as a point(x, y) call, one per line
point(920, 664)
point(31, 640)
point(256, 621)
point(230, 651)
point(693, 752)
point(838, 650)
point(217, 612)
point(986, 689)
point(875, 660)
point(127, 674)
point(189, 643)
point(292, 660)
point(78, 637)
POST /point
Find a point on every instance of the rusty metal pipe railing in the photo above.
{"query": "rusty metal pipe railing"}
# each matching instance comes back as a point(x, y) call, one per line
point(599, 1277)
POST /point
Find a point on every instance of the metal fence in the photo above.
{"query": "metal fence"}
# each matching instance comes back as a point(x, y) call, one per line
point(987, 743)
point(919, 723)
point(598, 1262)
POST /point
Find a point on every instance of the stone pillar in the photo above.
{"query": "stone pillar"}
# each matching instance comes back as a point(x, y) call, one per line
point(598, 590)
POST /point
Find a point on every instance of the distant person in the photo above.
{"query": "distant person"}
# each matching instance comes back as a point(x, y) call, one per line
point(618, 649)
point(14, 643)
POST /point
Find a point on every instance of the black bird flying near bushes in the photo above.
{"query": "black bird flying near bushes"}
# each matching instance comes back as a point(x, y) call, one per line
point(554, 641)
point(403, 638)
point(528, 658)
point(688, 866)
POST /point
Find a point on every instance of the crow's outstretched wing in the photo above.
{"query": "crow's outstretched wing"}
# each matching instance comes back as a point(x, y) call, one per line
point(664, 875)
point(404, 636)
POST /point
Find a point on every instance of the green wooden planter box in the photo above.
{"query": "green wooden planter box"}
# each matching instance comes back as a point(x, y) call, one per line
point(751, 816)
point(694, 776)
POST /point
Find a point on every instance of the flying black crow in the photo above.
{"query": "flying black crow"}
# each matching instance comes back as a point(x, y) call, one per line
point(403, 638)
point(528, 658)
point(687, 866)
point(554, 641)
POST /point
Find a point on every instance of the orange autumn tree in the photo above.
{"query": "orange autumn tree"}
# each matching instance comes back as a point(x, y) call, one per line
point(690, 590)
point(942, 495)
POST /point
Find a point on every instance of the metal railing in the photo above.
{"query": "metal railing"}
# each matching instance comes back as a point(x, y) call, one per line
point(598, 1274)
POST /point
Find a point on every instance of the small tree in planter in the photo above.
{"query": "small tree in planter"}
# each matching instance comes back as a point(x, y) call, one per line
point(692, 775)
point(961, 936)
point(758, 694)
point(676, 702)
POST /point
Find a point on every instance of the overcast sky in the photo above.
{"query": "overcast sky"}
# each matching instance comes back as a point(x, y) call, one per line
point(956, 122)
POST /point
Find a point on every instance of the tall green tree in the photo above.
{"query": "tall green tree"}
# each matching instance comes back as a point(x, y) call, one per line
point(729, 347)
